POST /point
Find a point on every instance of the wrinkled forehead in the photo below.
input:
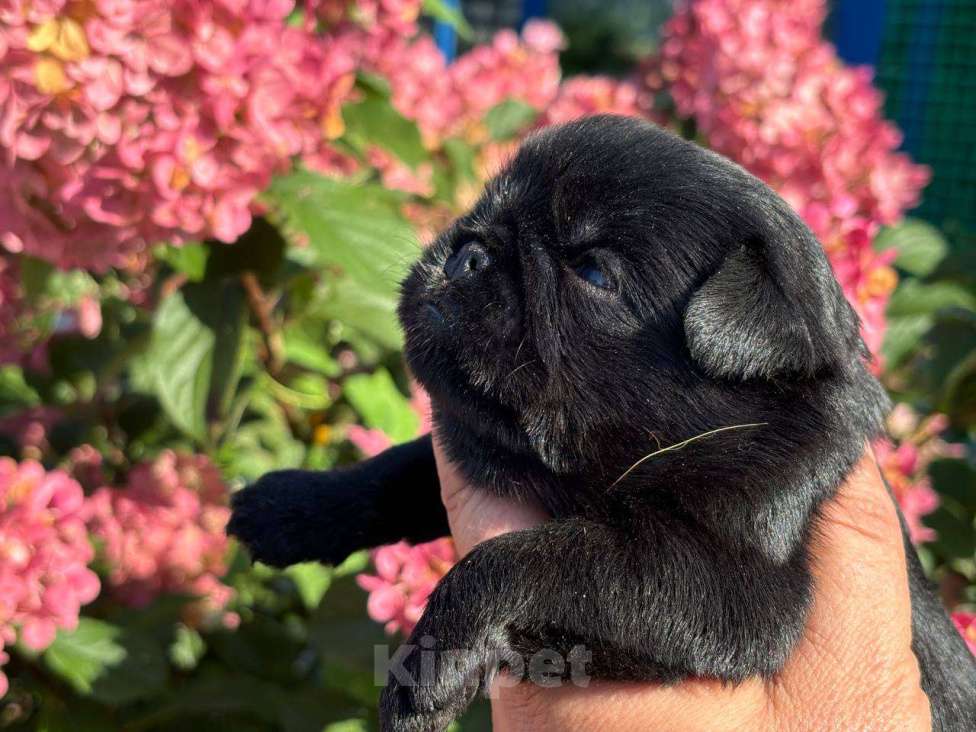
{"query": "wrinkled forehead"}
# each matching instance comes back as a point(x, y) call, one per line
point(574, 199)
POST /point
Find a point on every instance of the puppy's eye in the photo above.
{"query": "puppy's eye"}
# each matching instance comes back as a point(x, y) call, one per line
point(593, 272)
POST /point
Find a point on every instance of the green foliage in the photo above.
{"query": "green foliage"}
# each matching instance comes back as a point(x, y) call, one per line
point(922, 298)
point(194, 356)
point(108, 663)
point(506, 119)
point(374, 121)
point(357, 234)
point(920, 246)
point(930, 347)
point(256, 354)
point(189, 259)
point(381, 405)
point(312, 580)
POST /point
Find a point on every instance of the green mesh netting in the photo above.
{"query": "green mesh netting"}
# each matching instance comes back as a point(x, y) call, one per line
point(927, 68)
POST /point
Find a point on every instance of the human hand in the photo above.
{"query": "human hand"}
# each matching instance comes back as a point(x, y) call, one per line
point(853, 670)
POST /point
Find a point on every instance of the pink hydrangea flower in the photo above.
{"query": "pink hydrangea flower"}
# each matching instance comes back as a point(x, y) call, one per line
point(405, 577)
point(451, 100)
point(127, 122)
point(164, 532)
point(84, 464)
point(966, 625)
point(369, 442)
point(398, 175)
point(44, 553)
point(904, 460)
point(586, 95)
point(767, 91)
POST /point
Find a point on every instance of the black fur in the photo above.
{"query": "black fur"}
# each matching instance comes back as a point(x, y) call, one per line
point(718, 311)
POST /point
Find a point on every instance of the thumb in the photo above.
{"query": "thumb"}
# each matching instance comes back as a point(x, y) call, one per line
point(478, 515)
point(855, 656)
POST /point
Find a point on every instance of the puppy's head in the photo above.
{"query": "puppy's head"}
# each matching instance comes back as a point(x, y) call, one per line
point(614, 286)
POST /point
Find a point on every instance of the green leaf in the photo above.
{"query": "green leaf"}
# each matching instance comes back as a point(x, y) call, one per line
point(902, 337)
point(44, 282)
point(190, 259)
point(955, 479)
point(305, 392)
point(306, 350)
point(374, 121)
point(356, 233)
point(312, 580)
point(353, 564)
point(262, 442)
point(918, 298)
point(348, 725)
point(463, 158)
point(187, 648)
point(81, 656)
point(381, 404)
point(955, 535)
point(356, 229)
point(228, 320)
point(180, 358)
point(506, 119)
point(34, 276)
point(920, 246)
point(194, 355)
point(361, 310)
point(440, 10)
point(67, 288)
point(15, 393)
point(949, 368)
point(373, 83)
point(107, 662)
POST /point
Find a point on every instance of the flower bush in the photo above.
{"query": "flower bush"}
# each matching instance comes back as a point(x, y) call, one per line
point(205, 210)
point(44, 553)
point(164, 532)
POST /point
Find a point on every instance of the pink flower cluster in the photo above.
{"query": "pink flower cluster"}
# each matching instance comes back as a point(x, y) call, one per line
point(767, 91)
point(44, 553)
point(405, 577)
point(586, 95)
point(904, 460)
point(966, 625)
point(451, 100)
point(164, 532)
point(127, 122)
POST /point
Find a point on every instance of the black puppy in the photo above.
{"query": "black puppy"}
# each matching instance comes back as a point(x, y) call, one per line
point(616, 291)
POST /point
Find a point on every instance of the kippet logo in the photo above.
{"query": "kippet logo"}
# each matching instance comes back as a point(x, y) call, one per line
point(546, 668)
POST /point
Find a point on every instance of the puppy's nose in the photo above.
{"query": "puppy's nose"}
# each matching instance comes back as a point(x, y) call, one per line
point(467, 261)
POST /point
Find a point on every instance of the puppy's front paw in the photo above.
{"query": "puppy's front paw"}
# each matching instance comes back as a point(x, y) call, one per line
point(429, 687)
point(292, 516)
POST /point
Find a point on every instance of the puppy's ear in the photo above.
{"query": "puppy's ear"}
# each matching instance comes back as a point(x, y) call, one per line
point(773, 307)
